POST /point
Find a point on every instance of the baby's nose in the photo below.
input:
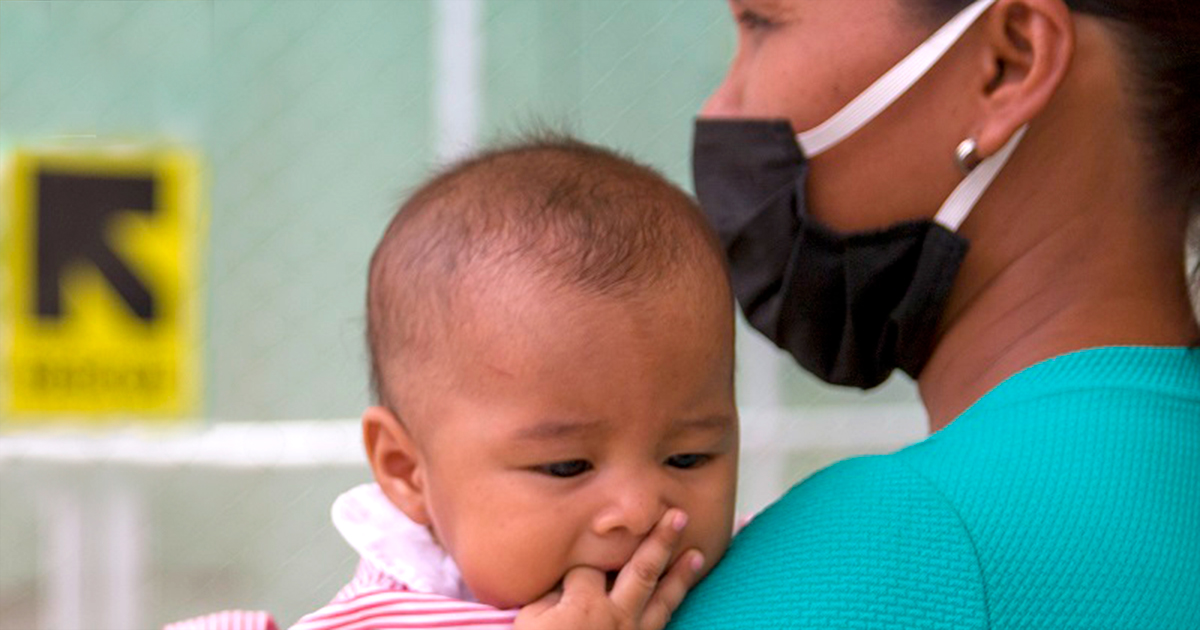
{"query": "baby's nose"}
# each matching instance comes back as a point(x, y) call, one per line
point(632, 508)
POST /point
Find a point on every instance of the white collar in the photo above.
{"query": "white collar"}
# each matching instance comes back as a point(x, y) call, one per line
point(403, 550)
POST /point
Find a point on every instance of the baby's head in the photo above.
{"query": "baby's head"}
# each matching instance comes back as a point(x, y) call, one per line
point(551, 332)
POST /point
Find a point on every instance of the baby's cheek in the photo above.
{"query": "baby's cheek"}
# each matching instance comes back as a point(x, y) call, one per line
point(711, 537)
point(510, 575)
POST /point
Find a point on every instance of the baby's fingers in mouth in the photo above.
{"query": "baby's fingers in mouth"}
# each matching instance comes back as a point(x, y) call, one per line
point(610, 578)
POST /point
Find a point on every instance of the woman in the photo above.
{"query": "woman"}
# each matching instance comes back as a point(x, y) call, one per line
point(1002, 216)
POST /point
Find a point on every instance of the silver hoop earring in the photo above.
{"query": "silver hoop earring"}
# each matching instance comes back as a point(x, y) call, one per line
point(967, 156)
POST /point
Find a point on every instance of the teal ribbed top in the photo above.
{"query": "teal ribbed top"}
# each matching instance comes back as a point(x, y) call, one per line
point(1068, 497)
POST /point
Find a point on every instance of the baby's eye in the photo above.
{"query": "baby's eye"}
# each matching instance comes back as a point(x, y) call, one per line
point(572, 468)
point(688, 460)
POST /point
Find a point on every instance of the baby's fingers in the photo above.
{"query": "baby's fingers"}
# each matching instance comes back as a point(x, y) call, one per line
point(583, 583)
point(531, 613)
point(671, 590)
point(581, 603)
point(639, 579)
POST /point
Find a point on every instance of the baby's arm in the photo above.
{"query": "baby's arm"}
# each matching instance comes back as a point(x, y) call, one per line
point(643, 598)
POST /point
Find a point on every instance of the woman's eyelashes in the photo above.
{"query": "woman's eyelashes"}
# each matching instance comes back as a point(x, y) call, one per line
point(753, 21)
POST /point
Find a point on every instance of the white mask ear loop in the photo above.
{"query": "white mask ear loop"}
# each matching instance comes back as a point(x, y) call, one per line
point(891, 86)
point(960, 202)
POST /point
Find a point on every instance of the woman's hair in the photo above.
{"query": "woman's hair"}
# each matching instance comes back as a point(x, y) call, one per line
point(1161, 39)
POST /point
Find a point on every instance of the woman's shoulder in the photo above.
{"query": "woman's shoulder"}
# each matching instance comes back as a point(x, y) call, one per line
point(868, 538)
point(1068, 482)
point(1074, 380)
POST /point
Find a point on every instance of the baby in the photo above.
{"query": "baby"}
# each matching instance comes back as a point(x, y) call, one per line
point(551, 335)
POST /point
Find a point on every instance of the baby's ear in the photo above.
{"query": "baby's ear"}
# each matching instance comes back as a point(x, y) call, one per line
point(396, 462)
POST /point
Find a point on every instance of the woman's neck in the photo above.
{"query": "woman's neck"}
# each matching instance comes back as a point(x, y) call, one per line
point(1082, 259)
point(1045, 315)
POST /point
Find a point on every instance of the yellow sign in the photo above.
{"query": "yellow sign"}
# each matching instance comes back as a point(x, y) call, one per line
point(99, 316)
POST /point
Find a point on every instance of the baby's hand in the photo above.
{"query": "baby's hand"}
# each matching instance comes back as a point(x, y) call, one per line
point(643, 598)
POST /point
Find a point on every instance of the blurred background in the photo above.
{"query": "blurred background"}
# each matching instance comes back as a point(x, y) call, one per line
point(305, 123)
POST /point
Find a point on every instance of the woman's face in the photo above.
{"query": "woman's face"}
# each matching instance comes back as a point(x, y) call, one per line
point(803, 60)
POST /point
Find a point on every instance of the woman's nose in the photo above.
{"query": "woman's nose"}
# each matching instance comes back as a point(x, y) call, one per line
point(633, 507)
point(726, 100)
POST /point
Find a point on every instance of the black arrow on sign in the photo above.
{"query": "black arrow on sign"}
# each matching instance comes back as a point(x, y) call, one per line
point(73, 214)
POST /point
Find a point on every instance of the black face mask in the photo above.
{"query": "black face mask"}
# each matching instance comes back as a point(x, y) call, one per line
point(849, 307)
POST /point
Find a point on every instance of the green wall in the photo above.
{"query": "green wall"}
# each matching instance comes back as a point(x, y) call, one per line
point(314, 118)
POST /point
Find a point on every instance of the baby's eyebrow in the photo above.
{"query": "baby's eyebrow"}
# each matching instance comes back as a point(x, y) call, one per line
point(548, 430)
point(706, 423)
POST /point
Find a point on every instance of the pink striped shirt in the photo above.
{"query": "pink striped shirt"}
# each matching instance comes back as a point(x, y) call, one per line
point(227, 620)
point(404, 579)
point(373, 599)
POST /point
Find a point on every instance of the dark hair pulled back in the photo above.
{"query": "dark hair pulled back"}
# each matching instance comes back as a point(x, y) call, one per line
point(1162, 43)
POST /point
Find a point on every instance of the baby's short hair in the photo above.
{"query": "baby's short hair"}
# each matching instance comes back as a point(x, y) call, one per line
point(549, 207)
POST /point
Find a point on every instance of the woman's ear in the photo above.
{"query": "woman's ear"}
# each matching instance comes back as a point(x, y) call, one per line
point(1030, 45)
point(396, 462)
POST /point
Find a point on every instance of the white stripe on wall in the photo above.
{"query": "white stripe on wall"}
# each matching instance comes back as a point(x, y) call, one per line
point(458, 44)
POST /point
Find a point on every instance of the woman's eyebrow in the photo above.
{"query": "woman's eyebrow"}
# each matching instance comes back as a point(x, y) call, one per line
point(755, 4)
